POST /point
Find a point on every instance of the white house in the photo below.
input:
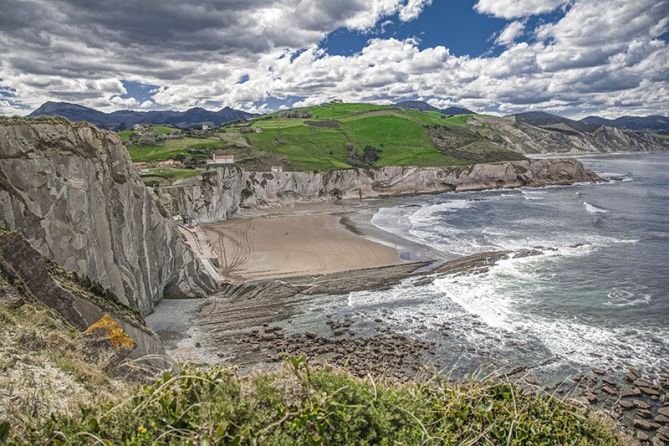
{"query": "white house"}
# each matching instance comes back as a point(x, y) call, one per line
point(277, 169)
point(221, 159)
point(170, 163)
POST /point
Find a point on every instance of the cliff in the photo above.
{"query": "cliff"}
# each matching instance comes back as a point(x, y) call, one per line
point(235, 188)
point(560, 135)
point(70, 189)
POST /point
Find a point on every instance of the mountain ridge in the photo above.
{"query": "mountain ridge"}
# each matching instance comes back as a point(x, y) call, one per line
point(124, 119)
point(650, 122)
point(424, 106)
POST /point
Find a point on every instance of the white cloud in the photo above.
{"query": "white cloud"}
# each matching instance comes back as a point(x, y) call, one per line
point(511, 9)
point(412, 9)
point(509, 34)
point(602, 56)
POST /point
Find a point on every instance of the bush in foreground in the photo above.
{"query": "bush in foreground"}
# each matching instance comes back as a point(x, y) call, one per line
point(214, 406)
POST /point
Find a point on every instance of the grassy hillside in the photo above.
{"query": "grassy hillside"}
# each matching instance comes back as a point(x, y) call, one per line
point(339, 136)
point(323, 407)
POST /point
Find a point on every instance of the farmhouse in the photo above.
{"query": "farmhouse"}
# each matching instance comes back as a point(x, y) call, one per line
point(170, 163)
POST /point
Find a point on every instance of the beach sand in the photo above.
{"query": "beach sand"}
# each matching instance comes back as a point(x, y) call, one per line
point(282, 244)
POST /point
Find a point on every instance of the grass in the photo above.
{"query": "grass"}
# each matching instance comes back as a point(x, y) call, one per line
point(173, 147)
point(307, 147)
point(302, 407)
point(402, 141)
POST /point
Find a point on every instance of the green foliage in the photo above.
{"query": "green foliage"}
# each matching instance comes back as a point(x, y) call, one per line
point(4, 432)
point(322, 407)
point(367, 158)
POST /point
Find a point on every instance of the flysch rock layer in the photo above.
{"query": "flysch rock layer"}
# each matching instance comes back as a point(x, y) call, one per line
point(71, 190)
point(220, 193)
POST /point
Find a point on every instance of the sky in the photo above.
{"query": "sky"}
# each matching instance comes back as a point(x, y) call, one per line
point(571, 57)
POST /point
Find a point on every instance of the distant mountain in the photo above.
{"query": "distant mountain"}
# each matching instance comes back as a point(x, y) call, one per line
point(554, 122)
point(653, 123)
point(122, 119)
point(416, 105)
point(424, 106)
point(456, 111)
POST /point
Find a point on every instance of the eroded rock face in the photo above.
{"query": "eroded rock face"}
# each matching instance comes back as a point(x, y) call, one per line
point(529, 139)
point(70, 189)
point(214, 196)
point(233, 188)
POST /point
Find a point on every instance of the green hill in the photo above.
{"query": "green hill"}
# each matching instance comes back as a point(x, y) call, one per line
point(340, 136)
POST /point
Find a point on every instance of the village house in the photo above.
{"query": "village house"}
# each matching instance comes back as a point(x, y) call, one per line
point(170, 163)
point(141, 167)
point(221, 159)
point(277, 169)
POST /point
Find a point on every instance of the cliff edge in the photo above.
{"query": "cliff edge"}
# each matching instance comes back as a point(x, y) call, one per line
point(70, 189)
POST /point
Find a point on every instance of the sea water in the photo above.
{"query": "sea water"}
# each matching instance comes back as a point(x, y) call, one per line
point(598, 295)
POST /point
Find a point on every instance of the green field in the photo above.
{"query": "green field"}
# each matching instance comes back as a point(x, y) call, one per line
point(336, 136)
point(173, 147)
point(323, 137)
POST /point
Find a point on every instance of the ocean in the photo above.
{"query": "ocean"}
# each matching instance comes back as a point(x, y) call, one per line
point(598, 296)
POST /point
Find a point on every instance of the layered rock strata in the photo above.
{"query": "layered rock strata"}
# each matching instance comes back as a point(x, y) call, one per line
point(71, 190)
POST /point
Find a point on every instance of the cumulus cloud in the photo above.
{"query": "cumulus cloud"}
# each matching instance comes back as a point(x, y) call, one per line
point(509, 34)
point(511, 9)
point(412, 9)
point(601, 56)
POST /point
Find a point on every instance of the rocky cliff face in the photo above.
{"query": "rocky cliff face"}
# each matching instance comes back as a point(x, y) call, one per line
point(216, 195)
point(526, 138)
point(70, 189)
point(278, 188)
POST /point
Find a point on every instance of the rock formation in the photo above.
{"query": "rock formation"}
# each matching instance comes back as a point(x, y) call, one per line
point(77, 300)
point(565, 136)
point(234, 188)
point(70, 189)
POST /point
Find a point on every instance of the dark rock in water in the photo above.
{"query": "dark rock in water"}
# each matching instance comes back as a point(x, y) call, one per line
point(643, 424)
point(610, 382)
point(625, 404)
point(599, 371)
point(630, 392)
point(610, 390)
point(649, 391)
point(644, 413)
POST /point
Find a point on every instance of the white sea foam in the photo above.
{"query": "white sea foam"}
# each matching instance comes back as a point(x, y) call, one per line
point(594, 209)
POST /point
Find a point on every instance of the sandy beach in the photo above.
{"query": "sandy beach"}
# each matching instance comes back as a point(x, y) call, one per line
point(295, 242)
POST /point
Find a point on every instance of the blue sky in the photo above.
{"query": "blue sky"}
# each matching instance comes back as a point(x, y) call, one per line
point(454, 24)
point(572, 57)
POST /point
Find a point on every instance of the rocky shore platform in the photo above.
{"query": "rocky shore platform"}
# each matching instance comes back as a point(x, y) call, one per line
point(258, 324)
